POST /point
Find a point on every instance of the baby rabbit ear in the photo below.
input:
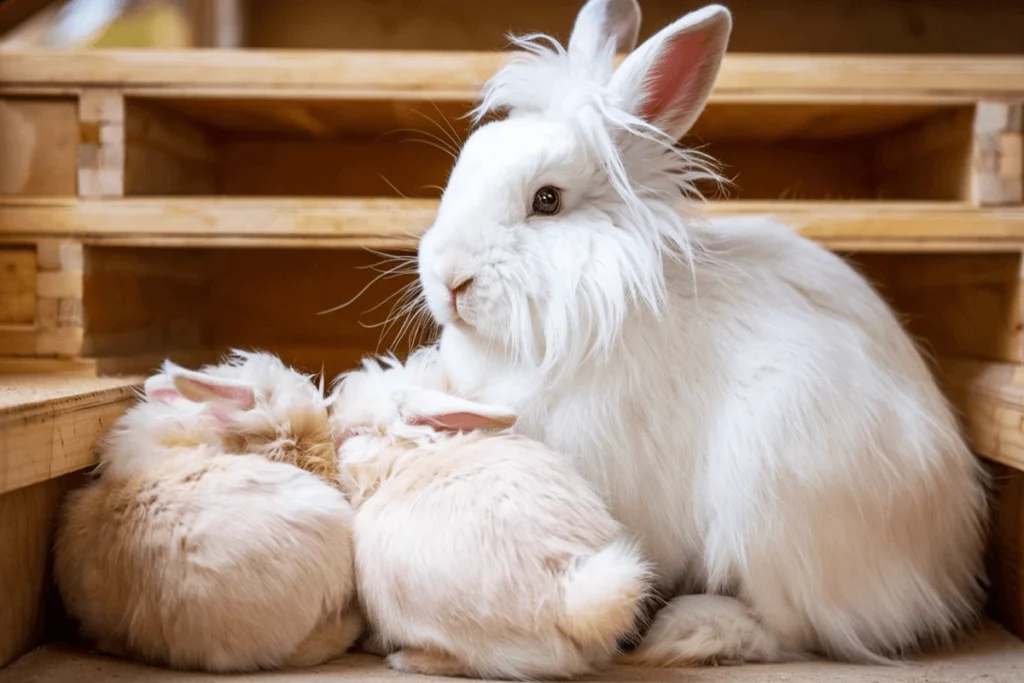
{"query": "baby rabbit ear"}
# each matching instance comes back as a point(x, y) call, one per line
point(602, 20)
point(202, 388)
point(667, 80)
point(452, 414)
point(160, 389)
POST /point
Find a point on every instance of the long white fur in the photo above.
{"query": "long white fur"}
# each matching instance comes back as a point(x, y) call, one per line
point(742, 397)
point(186, 554)
point(479, 554)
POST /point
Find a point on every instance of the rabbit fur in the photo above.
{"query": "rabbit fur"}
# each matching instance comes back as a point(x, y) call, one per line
point(478, 553)
point(743, 398)
point(197, 546)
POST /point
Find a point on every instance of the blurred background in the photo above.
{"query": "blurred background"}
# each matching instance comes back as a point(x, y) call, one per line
point(809, 26)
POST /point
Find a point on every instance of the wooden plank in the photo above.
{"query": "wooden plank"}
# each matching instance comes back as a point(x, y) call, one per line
point(60, 327)
point(990, 398)
point(26, 522)
point(291, 312)
point(79, 367)
point(356, 222)
point(997, 162)
point(101, 150)
point(960, 305)
point(17, 286)
point(143, 301)
point(49, 425)
point(930, 159)
point(459, 75)
point(39, 143)
point(793, 26)
point(1005, 553)
point(987, 654)
point(165, 154)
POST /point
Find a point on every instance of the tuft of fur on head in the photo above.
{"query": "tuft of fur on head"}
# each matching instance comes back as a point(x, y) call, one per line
point(387, 408)
point(609, 133)
point(250, 403)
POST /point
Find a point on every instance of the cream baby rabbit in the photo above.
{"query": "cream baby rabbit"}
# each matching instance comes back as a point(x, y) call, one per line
point(477, 554)
point(741, 397)
point(194, 548)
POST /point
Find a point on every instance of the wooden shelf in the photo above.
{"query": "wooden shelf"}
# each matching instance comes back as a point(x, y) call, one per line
point(990, 397)
point(49, 425)
point(459, 75)
point(991, 654)
point(397, 223)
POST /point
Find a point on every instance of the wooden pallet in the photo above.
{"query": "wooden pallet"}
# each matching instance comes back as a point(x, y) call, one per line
point(48, 429)
point(173, 204)
point(992, 655)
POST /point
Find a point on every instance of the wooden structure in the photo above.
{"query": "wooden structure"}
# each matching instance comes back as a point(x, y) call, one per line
point(177, 203)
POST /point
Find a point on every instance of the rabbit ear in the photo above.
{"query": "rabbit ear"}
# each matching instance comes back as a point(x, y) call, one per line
point(202, 388)
point(667, 80)
point(160, 389)
point(601, 20)
point(449, 413)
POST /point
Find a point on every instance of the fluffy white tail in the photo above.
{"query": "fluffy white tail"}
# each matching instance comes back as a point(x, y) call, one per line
point(603, 593)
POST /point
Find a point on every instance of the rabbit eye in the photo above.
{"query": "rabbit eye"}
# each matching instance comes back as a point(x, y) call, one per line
point(547, 201)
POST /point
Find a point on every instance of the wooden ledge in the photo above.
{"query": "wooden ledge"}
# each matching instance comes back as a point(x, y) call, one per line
point(397, 223)
point(991, 654)
point(459, 75)
point(49, 424)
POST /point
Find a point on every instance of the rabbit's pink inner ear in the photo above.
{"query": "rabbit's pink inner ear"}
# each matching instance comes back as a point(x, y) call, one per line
point(668, 79)
point(463, 422)
point(208, 390)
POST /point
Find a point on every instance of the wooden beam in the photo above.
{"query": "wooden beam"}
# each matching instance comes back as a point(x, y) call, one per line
point(459, 75)
point(990, 398)
point(49, 425)
point(397, 223)
point(997, 159)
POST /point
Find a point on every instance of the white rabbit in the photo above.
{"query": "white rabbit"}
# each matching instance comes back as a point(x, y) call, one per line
point(742, 397)
point(186, 553)
point(477, 554)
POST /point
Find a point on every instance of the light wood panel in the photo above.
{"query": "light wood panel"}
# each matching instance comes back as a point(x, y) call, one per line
point(38, 146)
point(459, 75)
point(997, 160)
point(397, 223)
point(990, 398)
point(102, 145)
point(26, 523)
point(49, 425)
point(988, 654)
point(17, 286)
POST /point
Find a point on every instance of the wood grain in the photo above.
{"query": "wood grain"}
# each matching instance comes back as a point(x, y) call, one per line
point(38, 146)
point(17, 286)
point(26, 523)
point(397, 223)
point(49, 425)
point(459, 75)
point(102, 143)
point(959, 305)
point(801, 26)
point(990, 398)
point(997, 161)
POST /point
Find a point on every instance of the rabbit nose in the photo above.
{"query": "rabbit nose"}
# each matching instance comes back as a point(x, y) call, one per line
point(457, 287)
